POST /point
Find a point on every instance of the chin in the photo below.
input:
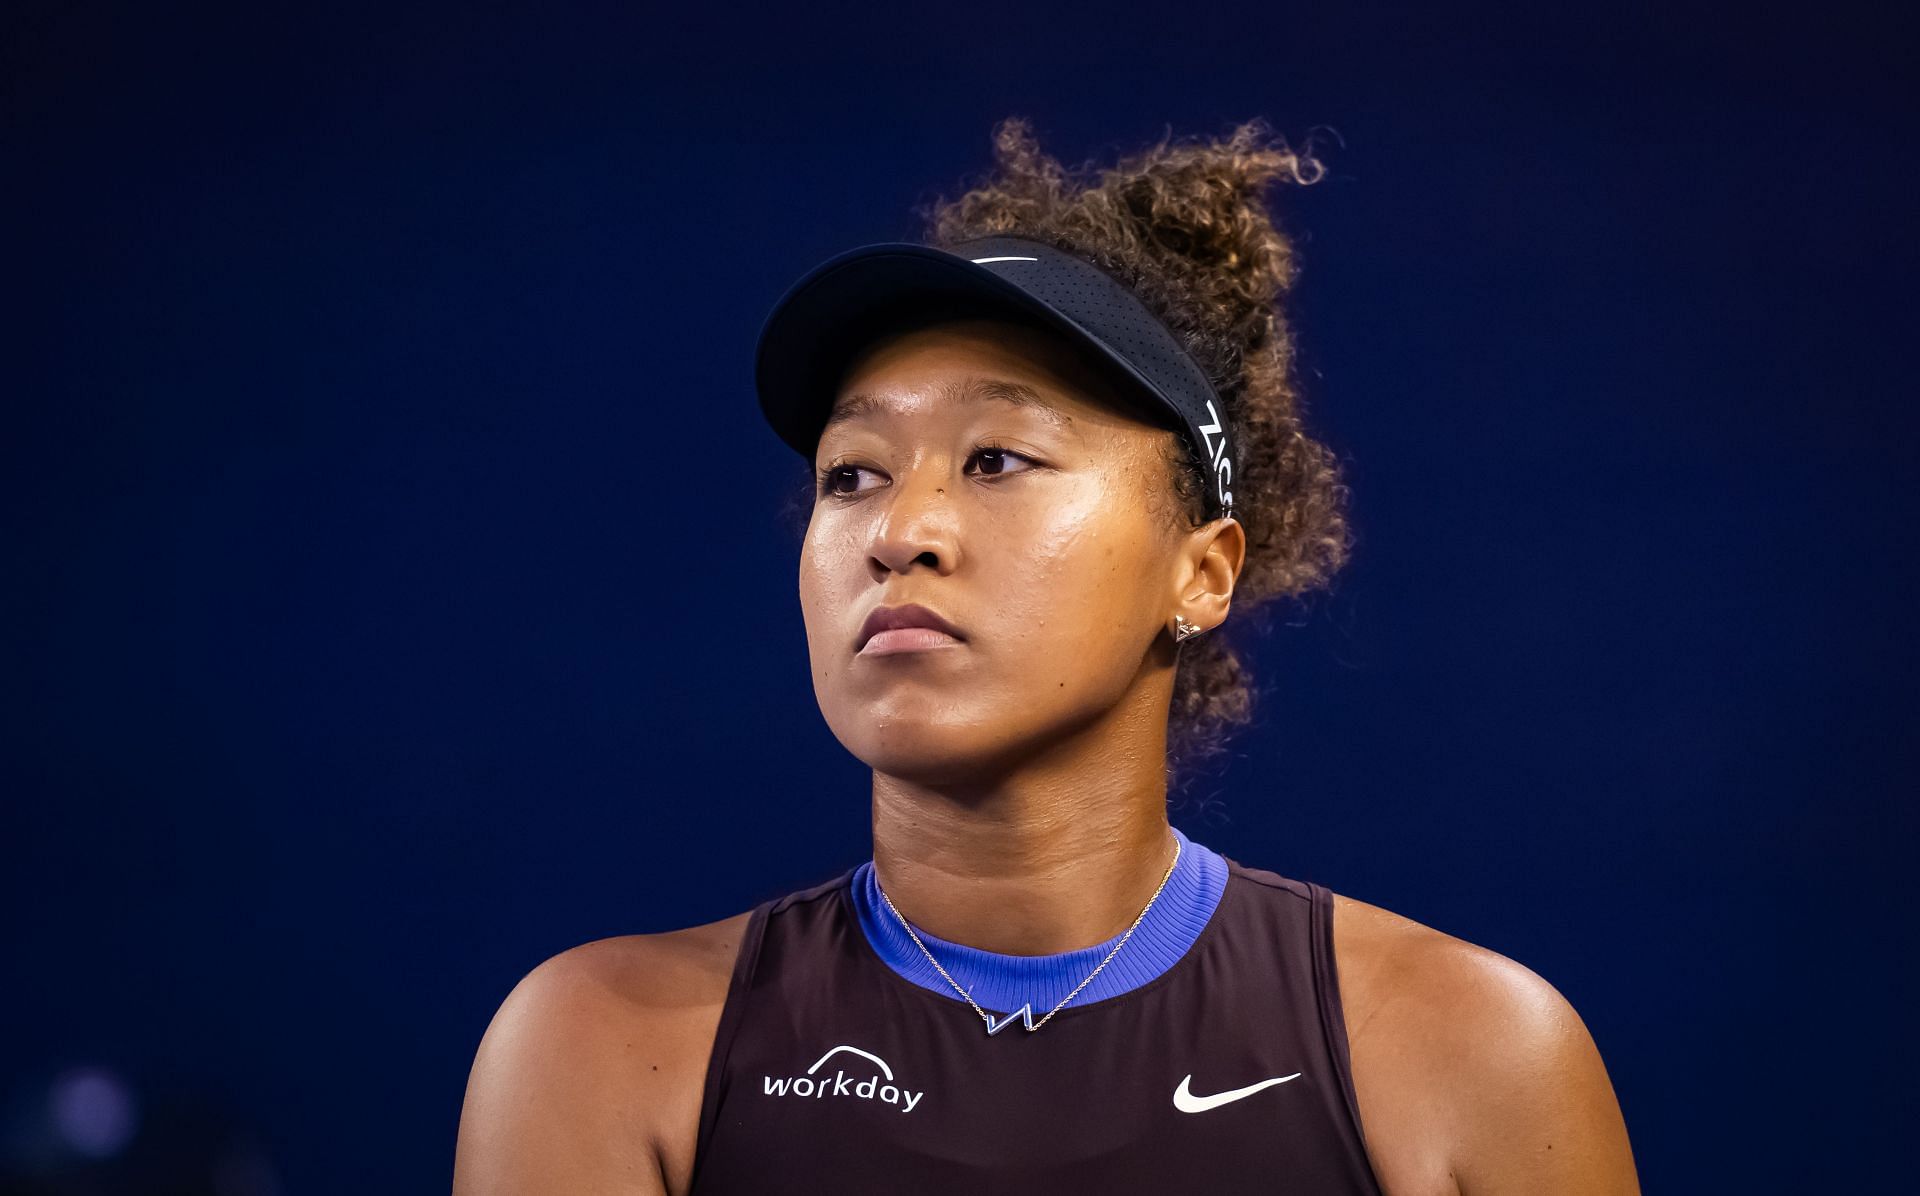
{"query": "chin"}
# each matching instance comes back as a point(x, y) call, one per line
point(924, 747)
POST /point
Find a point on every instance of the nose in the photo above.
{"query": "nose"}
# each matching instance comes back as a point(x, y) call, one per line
point(917, 522)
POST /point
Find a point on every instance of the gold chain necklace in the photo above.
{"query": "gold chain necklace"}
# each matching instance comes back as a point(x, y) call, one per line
point(1026, 1011)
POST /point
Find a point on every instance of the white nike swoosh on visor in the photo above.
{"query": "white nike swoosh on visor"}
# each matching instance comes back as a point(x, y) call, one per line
point(1185, 1101)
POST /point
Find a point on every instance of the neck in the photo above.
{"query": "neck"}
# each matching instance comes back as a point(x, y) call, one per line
point(1057, 855)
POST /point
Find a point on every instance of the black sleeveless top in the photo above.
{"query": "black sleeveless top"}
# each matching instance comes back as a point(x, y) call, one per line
point(1228, 1072)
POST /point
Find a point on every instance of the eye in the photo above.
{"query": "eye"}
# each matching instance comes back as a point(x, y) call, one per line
point(843, 480)
point(999, 455)
point(835, 478)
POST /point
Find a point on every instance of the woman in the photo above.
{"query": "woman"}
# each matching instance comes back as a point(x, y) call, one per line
point(1053, 449)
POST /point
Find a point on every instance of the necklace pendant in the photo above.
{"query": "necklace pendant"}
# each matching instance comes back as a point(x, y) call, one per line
point(1024, 1013)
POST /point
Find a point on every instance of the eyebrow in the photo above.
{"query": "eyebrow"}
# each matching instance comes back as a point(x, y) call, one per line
point(859, 406)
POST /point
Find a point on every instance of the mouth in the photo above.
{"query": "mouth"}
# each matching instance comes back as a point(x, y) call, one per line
point(890, 630)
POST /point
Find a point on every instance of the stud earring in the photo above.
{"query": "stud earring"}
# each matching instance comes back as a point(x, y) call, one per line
point(1183, 630)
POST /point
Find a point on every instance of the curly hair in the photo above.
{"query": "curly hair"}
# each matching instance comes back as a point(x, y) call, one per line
point(1184, 224)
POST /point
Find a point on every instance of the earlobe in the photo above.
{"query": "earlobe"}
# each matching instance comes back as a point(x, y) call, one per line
point(1215, 570)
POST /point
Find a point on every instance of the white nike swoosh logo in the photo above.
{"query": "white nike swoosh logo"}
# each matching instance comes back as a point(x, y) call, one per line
point(1185, 1101)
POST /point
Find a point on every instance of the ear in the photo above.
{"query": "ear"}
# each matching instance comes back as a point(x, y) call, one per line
point(1210, 565)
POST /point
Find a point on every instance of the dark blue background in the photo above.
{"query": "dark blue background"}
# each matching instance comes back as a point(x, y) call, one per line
point(396, 591)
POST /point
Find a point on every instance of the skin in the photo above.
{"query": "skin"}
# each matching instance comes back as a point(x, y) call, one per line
point(1019, 799)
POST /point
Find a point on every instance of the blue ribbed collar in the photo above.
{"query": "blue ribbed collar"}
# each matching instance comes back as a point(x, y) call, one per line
point(1003, 983)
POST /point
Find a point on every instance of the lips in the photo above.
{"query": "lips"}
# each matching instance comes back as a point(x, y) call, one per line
point(892, 618)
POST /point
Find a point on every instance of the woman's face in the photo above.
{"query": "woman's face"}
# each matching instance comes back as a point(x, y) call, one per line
point(1043, 531)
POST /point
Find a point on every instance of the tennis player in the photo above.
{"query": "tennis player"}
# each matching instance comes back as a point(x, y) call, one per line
point(1056, 448)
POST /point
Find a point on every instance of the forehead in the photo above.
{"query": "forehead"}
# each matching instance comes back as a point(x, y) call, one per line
point(961, 364)
point(855, 405)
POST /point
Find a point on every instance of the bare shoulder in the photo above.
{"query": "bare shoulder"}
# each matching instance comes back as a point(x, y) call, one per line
point(1474, 1075)
point(590, 1075)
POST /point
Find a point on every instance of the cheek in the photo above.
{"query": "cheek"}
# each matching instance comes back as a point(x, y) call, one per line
point(812, 578)
point(830, 574)
point(1073, 594)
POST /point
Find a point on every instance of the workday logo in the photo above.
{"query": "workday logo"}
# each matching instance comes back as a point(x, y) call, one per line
point(880, 1085)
